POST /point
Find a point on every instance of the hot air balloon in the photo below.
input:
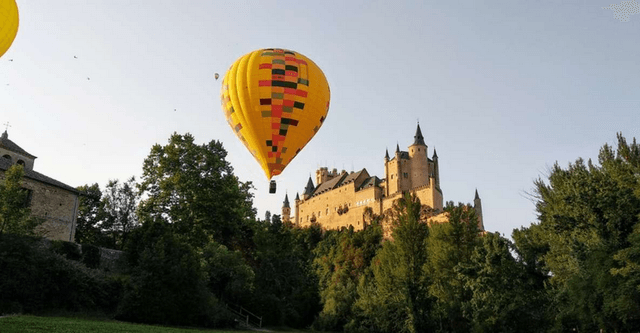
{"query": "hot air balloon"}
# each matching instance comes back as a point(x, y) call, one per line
point(216, 75)
point(275, 100)
point(8, 24)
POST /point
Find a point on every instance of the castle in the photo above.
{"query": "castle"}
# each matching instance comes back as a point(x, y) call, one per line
point(52, 200)
point(341, 199)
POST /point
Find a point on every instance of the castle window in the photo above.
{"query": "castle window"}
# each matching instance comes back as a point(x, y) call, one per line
point(406, 175)
point(391, 176)
point(7, 157)
point(21, 162)
point(327, 211)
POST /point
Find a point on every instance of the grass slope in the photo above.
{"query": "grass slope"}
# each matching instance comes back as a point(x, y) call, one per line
point(32, 324)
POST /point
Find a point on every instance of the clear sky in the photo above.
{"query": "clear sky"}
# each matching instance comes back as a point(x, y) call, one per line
point(502, 89)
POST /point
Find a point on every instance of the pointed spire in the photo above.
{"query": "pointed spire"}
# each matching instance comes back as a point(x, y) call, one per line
point(435, 155)
point(386, 154)
point(308, 190)
point(297, 196)
point(477, 196)
point(285, 204)
point(418, 138)
point(397, 148)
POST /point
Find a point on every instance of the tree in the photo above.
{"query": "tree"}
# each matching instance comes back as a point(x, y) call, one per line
point(587, 216)
point(120, 202)
point(193, 187)
point(91, 216)
point(15, 214)
point(168, 284)
point(285, 284)
point(394, 298)
point(341, 259)
point(503, 298)
point(451, 245)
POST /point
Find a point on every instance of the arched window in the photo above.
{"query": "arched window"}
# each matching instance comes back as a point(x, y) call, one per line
point(21, 162)
point(7, 157)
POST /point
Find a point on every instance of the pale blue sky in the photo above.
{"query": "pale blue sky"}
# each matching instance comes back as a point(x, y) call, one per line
point(503, 89)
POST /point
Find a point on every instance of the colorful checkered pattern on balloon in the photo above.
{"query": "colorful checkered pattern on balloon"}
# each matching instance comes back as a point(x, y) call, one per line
point(289, 83)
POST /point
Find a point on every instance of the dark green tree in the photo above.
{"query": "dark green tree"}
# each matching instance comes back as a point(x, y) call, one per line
point(395, 297)
point(341, 259)
point(193, 188)
point(503, 297)
point(587, 214)
point(120, 202)
point(451, 245)
point(168, 285)
point(228, 276)
point(91, 216)
point(15, 214)
point(286, 288)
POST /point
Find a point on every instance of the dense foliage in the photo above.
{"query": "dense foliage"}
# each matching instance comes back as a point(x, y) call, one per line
point(193, 245)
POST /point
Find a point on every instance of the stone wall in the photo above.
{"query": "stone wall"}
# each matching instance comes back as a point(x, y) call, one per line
point(59, 208)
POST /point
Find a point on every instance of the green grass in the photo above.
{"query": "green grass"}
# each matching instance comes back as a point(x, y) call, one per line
point(30, 324)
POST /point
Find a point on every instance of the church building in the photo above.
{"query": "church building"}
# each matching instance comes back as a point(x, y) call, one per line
point(48, 198)
point(340, 199)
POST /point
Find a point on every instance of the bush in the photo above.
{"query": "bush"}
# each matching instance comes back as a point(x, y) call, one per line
point(69, 250)
point(91, 255)
point(35, 279)
point(168, 286)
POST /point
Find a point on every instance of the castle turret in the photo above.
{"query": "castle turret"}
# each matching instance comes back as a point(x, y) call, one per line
point(297, 208)
point(419, 172)
point(286, 210)
point(436, 172)
point(308, 190)
point(477, 205)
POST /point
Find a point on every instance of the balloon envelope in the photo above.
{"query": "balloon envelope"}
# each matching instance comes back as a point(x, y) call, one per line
point(275, 101)
point(8, 24)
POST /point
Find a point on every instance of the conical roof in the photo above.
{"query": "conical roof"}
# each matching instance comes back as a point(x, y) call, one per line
point(418, 138)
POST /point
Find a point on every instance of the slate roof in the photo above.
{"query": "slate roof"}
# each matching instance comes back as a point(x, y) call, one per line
point(418, 138)
point(34, 175)
point(370, 182)
point(344, 179)
point(403, 155)
point(10, 145)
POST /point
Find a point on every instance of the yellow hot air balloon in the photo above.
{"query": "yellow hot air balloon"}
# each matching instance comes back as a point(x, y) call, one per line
point(8, 24)
point(275, 101)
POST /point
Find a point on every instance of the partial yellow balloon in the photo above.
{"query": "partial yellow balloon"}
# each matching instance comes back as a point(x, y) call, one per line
point(275, 101)
point(8, 24)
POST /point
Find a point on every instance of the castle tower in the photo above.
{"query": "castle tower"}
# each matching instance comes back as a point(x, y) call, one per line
point(297, 209)
point(477, 205)
point(436, 172)
point(419, 162)
point(286, 210)
point(386, 171)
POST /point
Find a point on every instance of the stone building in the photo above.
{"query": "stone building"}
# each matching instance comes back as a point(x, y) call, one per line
point(339, 199)
point(48, 198)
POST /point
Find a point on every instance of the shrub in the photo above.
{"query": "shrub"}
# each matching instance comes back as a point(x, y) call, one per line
point(34, 279)
point(91, 255)
point(69, 250)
